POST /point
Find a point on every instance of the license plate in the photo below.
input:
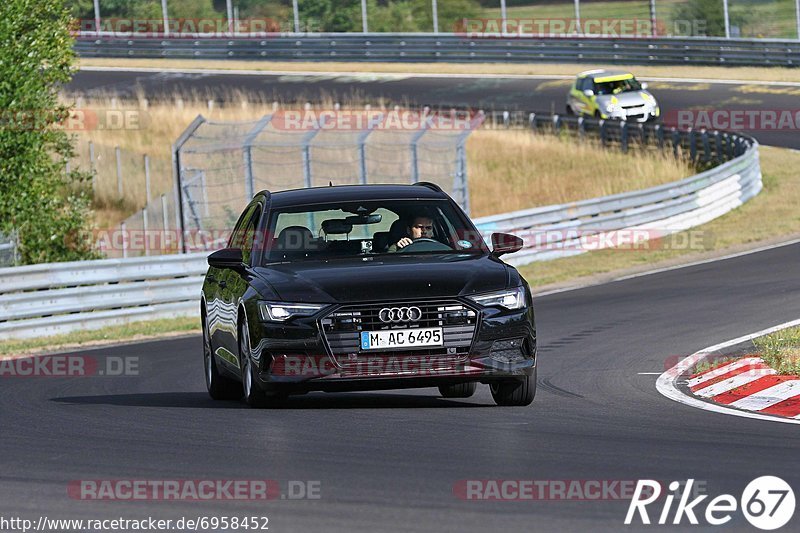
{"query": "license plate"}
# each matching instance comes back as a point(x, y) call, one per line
point(401, 338)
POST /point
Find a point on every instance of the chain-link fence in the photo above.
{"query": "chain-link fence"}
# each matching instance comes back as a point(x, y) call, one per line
point(220, 166)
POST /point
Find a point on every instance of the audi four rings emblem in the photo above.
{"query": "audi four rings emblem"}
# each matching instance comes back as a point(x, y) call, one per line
point(400, 314)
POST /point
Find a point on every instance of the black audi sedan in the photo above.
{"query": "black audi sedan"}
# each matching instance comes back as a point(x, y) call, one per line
point(365, 287)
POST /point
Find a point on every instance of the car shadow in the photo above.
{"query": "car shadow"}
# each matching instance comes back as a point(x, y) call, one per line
point(339, 400)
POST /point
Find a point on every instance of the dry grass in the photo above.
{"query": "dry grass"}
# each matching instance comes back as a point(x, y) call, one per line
point(771, 215)
point(725, 73)
point(510, 170)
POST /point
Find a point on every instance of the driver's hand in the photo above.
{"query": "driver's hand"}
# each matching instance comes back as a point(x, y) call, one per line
point(405, 241)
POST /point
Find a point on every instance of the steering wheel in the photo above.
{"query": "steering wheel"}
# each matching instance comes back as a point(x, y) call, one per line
point(424, 244)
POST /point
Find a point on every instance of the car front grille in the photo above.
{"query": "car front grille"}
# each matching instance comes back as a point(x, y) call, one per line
point(342, 328)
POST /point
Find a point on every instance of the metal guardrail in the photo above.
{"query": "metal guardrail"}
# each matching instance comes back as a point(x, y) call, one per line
point(449, 47)
point(47, 299)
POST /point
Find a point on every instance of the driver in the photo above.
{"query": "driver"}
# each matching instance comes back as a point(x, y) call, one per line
point(420, 227)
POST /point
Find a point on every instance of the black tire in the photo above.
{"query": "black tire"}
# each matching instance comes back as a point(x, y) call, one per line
point(460, 390)
point(569, 111)
point(514, 392)
point(252, 393)
point(219, 387)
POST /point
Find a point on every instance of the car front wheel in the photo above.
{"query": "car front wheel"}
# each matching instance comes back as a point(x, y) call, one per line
point(219, 387)
point(514, 392)
point(253, 395)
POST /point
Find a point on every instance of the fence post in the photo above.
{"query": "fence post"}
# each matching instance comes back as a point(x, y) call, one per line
point(118, 156)
point(144, 229)
point(603, 133)
point(706, 146)
point(532, 122)
point(249, 180)
point(692, 144)
point(124, 231)
point(676, 141)
point(581, 128)
point(413, 146)
point(660, 136)
point(164, 222)
point(623, 140)
point(557, 123)
point(93, 168)
point(146, 179)
point(176, 173)
point(718, 147)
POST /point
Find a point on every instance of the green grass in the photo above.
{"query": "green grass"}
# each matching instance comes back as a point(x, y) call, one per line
point(781, 350)
point(78, 339)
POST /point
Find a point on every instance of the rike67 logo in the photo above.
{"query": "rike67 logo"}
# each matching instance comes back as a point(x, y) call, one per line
point(767, 503)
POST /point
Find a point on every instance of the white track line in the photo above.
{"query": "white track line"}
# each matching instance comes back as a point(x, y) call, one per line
point(769, 397)
point(748, 376)
point(666, 382)
point(247, 72)
point(721, 371)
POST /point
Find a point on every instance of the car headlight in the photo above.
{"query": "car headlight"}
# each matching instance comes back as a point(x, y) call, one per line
point(510, 299)
point(282, 311)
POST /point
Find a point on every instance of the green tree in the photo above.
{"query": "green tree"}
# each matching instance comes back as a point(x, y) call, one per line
point(702, 18)
point(48, 206)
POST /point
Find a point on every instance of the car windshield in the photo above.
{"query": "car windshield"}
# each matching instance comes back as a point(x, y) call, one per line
point(369, 228)
point(618, 86)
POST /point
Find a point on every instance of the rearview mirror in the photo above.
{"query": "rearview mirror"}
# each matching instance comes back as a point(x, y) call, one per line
point(505, 243)
point(644, 86)
point(336, 226)
point(226, 258)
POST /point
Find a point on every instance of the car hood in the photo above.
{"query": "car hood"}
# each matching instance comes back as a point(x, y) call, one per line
point(627, 98)
point(385, 277)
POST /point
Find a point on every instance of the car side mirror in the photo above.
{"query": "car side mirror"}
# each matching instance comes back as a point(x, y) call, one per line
point(505, 243)
point(588, 92)
point(644, 86)
point(226, 258)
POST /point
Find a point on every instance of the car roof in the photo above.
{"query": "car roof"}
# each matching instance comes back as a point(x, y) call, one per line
point(613, 75)
point(355, 193)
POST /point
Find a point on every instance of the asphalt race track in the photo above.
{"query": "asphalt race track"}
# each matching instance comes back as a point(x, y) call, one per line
point(495, 92)
point(388, 461)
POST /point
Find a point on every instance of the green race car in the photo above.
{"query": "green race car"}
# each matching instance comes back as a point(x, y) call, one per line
point(611, 94)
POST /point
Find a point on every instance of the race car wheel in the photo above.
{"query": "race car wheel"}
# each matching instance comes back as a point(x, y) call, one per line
point(514, 392)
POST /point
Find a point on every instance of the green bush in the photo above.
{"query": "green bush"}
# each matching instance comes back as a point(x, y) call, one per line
point(48, 206)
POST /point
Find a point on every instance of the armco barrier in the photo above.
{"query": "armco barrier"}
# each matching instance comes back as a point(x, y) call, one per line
point(47, 299)
point(449, 47)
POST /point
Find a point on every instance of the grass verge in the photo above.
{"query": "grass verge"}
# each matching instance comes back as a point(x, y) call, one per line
point(113, 334)
point(540, 69)
point(781, 350)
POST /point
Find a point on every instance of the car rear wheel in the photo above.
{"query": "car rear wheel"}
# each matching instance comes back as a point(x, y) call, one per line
point(460, 390)
point(514, 392)
point(219, 387)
